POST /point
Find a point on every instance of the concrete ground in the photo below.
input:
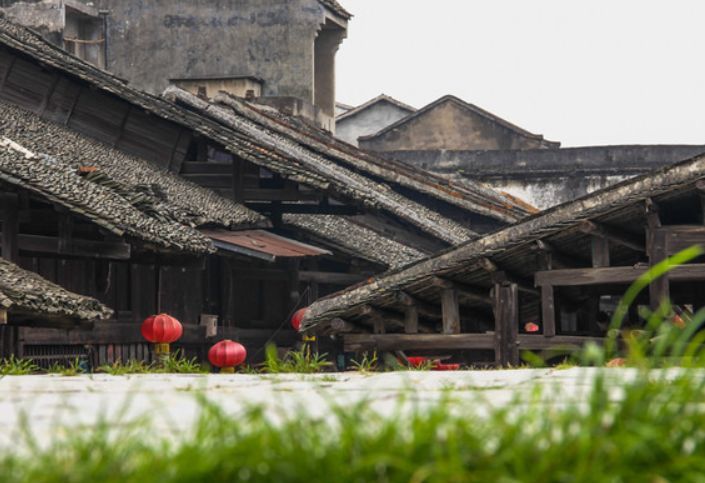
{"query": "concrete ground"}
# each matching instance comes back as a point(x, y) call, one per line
point(52, 405)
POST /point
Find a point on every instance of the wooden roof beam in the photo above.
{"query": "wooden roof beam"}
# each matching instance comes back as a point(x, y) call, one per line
point(612, 234)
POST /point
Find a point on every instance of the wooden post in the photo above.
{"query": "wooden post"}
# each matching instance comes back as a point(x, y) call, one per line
point(659, 290)
point(548, 311)
point(10, 227)
point(65, 232)
point(451, 311)
point(411, 320)
point(600, 252)
point(506, 311)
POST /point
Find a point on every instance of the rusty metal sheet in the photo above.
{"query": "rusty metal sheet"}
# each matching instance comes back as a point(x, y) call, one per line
point(262, 244)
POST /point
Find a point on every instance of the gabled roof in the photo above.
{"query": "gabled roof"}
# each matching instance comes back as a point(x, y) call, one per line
point(293, 160)
point(336, 8)
point(468, 195)
point(470, 107)
point(372, 102)
point(616, 201)
point(124, 194)
point(26, 293)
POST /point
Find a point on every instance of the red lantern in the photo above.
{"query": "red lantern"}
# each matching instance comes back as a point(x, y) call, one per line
point(531, 327)
point(227, 354)
point(162, 330)
point(298, 317)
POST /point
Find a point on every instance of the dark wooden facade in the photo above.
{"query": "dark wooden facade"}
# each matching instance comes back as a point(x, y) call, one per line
point(564, 270)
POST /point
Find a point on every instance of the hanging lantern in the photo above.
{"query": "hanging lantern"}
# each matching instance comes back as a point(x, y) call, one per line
point(162, 330)
point(531, 327)
point(227, 354)
point(297, 318)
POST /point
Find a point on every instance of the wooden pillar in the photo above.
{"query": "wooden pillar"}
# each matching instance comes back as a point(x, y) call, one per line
point(65, 231)
point(451, 311)
point(411, 320)
point(10, 227)
point(600, 252)
point(659, 290)
point(548, 311)
point(506, 311)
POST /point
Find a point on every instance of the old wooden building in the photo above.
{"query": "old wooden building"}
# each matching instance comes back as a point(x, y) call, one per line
point(283, 214)
point(562, 269)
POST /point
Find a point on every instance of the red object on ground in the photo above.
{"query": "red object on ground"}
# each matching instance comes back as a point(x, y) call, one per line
point(162, 329)
point(531, 327)
point(298, 317)
point(415, 361)
point(227, 353)
point(445, 367)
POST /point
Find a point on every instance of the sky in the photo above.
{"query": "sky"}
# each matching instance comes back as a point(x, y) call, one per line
point(581, 72)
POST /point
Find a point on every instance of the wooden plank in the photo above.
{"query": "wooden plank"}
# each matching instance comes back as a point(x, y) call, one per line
point(113, 250)
point(451, 311)
point(106, 333)
point(475, 294)
point(506, 310)
point(589, 276)
point(394, 342)
point(659, 289)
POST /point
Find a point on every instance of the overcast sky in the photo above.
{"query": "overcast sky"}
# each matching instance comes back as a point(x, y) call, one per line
point(580, 72)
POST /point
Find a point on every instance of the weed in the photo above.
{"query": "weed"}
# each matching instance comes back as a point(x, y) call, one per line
point(73, 368)
point(131, 367)
point(302, 361)
point(368, 363)
point(13, 366)
point(176, 363)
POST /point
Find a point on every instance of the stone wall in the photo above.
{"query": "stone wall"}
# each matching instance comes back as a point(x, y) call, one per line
point(547, 177)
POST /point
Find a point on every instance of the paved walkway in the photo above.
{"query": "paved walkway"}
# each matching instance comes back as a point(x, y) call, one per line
point(55, 404)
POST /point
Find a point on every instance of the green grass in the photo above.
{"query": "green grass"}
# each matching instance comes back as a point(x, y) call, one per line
point(73, 368)
point(302, 361)
point(655, 433)
point(12, 366)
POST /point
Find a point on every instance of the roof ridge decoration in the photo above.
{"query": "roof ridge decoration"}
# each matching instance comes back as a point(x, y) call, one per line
point(380, 98)
point(308, 167)
point(336, 8)
point(468, 106)
point(469, 195)
point(546, 223)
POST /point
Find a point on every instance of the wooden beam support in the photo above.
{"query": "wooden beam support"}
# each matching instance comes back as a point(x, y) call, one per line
point(65, 231)
point(503, 278)
point(506, 310)
point(600, 252)
point(451, 311)
point(10, 227)
point(659, 289)
point(341, 326)
point(411, 320)
point(548, 310)
point(614, 235)
point(554, 258)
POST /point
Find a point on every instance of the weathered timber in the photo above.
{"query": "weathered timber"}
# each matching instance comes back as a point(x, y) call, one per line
point(548, 310)
point(680, 237)
point(107, 333)
point(502, 277)
point(114, 250)
point(617, 236)
point(659, 289)
point(451, 311)
point(589, 276)
point(506, 312)
point(411, 320)
point(340, 326)
point(539, 342)
point(555, 258)
point(394, 342)
point(600, 248)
